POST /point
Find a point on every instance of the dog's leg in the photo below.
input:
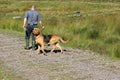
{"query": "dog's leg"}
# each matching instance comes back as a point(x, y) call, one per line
point(53, 48)
point(58, 45)
point(44, 53)
point(38, 49)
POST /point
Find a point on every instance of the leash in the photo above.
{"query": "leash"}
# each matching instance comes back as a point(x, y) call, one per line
point(42, 30)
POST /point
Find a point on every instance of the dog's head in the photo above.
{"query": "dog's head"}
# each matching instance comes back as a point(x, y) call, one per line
point(36, 31)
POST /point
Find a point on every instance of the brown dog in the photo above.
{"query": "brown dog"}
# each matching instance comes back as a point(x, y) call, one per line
point(53, 40)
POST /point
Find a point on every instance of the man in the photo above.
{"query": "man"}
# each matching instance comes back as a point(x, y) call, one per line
point(31, 19)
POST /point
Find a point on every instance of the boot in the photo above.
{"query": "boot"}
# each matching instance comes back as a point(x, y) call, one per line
point(34, 45)
point(27, 44)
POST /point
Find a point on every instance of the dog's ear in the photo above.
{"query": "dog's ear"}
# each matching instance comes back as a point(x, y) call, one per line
point(38, 30)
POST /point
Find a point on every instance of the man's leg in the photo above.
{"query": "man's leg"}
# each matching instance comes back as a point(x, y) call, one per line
point(34, 45)
point(27, 37)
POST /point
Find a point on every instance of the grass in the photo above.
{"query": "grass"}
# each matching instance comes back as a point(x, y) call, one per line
point(5, 73)
point(65, 76)
point(95, 28)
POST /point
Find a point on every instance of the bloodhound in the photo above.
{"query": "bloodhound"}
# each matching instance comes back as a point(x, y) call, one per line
point(52, 40)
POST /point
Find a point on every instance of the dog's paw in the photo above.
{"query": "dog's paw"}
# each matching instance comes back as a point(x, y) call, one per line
point(61, 52)
point(45, 54)
point(38, 53)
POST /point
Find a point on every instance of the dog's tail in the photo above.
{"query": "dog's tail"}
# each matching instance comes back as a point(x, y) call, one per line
point(64, 41)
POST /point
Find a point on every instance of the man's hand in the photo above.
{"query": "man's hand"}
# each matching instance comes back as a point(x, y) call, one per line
point(24, 27)
point(43, 26)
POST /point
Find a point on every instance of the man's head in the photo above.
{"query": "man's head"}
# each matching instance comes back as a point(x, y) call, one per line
point(33, 7)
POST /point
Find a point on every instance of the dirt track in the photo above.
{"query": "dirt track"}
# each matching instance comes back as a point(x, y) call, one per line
point(74, 64)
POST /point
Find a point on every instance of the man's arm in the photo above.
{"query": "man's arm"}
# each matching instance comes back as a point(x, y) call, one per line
point(40, 21)
point(24, 23)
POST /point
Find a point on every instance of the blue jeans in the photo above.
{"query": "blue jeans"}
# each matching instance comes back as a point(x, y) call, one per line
point(29, 30)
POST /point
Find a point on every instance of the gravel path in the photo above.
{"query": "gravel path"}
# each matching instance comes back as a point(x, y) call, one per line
point(74, 64)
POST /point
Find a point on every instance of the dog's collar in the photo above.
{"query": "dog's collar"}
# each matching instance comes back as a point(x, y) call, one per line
point(37, 36)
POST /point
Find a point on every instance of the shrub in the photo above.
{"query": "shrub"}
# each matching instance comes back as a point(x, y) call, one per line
point(115, 51)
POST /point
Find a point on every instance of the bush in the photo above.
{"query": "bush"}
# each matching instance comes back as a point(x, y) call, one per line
point(92, 33)
point(115, 51)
